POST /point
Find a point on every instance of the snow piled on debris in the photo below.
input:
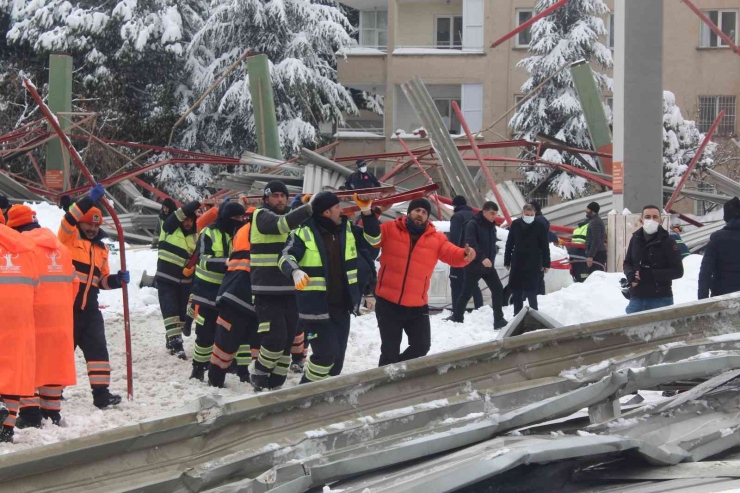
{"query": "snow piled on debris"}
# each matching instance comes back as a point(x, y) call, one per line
point(161, 381)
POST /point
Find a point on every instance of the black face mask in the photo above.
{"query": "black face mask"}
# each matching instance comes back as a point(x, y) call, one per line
point(326, 224)
point(589, 215)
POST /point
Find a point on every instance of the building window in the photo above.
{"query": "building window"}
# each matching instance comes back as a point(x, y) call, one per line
point(705, 207)
point(524, 37)
point(448, 31)
point(444, 106)
point(540, 195)
point(726, 20)
point(374, 29)
point(709, 109)
point(610, 32)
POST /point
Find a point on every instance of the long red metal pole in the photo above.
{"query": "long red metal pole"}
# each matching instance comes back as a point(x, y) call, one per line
point(695, 160)
point(483, 166)
point(122, 246)
point(159, 193)
point(716, 30)
point(531, 21)
point(426, 175)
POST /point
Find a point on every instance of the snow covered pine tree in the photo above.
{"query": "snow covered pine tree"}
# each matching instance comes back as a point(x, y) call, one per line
point(681, 140)
point(569, 34)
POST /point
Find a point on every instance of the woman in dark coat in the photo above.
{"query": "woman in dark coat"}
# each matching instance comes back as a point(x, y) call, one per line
point(527, 256)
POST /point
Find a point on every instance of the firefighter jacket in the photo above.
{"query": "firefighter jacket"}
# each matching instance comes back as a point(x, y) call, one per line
point(53, 310)
point(267, 237)
point(18, 280)
point(236, 289)
point(406, 266)
point(176, 246)
point(214, 247)
point(90, 257)
point(305, 250)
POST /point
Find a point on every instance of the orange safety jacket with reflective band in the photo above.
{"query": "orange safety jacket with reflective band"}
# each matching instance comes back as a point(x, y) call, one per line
point(18, 281)
point(236, 288)
point(90, 257)
point(53, 310)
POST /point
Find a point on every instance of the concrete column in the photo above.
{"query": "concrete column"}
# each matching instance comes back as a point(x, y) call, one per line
point(60, 101)
point(638, 104)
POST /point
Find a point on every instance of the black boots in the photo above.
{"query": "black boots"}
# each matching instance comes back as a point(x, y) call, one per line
point(29, 417)
point(174, 344)
point(199, 371)
point(6, 435)
point(102, 398)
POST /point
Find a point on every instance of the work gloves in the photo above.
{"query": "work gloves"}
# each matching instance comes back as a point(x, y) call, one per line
point(300, 279)
point(123, 276)
point(364, 205)
point(96, 192)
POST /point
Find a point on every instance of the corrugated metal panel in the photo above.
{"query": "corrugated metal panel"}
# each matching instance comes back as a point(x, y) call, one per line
point(698, 238)
point(572, 212)
point(16, 192)
point(513, 198)
point(723, 183)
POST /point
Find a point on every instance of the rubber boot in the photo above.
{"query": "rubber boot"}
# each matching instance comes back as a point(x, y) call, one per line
point(29, 417)
point(102, 398)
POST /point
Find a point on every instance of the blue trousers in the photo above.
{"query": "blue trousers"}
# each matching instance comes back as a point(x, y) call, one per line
point(644, 304)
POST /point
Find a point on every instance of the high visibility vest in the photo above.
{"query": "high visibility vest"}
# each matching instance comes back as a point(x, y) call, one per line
point(264, 257)
point(221, 247)
point(312, 265)
point(579, 235)
point(176, 248)
point(236, 289)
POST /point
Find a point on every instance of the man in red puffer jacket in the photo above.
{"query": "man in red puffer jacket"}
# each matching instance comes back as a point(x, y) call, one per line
point(411, 248)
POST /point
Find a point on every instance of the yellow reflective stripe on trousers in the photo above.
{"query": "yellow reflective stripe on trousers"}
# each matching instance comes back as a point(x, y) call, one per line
point(316, 284)
point(172, 258)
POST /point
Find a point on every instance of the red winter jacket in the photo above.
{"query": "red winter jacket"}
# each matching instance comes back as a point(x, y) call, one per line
point(405, 274)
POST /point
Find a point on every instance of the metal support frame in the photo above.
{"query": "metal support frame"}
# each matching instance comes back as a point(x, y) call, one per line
point(531, 21)
point(122, 245)
point(695, 160)
point(423, 171)
point(486, 171)
point(716, 30)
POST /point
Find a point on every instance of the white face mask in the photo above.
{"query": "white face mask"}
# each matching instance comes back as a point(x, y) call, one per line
point(650, 226)
point(528, 219)
point(363, 169)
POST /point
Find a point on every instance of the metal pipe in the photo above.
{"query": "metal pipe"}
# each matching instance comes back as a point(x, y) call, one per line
point(695, 160)
point(122, 245)
point(531, 21)
point(716, 30)
point(153, 190)
point(486, 171)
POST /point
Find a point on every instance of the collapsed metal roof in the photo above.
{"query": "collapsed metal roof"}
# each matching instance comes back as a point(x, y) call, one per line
point(445, 420)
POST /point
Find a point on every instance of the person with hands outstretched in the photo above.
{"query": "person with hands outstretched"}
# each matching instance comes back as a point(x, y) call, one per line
point(411, 247)
point(321, 259)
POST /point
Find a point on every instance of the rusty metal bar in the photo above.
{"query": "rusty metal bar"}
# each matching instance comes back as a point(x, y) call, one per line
point(716, 30)
point(531, 21)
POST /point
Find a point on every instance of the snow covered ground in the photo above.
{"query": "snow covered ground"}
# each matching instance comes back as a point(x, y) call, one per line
point(161, 381)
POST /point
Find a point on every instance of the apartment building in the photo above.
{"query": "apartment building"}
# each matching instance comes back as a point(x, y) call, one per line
point(447, 44)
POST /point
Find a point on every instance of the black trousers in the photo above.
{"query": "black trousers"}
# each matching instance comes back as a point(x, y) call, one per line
point(600, 257)
point(205, 333)
point(89, 335)
point(328, 342)
point(518, 296)
point(393, 321)
point(236, 334)
point(278, 321)
point(457, 282)
point(173, 301)
point(471, 283)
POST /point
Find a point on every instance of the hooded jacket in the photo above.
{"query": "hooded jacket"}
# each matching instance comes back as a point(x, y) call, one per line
point(406, 268)
point(720, 266)
point(18, 279)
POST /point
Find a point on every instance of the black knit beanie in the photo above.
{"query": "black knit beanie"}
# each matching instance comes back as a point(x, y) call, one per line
point(323, 202)
point(420, 203)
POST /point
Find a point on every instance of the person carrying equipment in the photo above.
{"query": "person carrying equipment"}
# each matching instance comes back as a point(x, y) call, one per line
point(236, 325)
point(53, 317)
point(18, 279)
point(274, 295)
point(214, 248)
point(80, 232)
point(321, 259)
point(176, 246)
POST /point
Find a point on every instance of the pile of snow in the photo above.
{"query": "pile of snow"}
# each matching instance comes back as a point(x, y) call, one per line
point(161, 381)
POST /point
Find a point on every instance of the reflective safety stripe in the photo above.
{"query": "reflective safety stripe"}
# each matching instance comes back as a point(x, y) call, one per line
point(76, 212)
point(264, 259)
point(180, 215)
point(172, 278)
point(98, 366)
point(30, 281)
point(236, 300)
point(273, 289)
point(352, 276)
point(316, 284)
point(243, 355)
point(57, 278)
point(172, 258)
point(67, 230)
point(170, 321)
point(307, 316)
point(223, 323)
point(203, 301)
point(372, 240)
point(202, 354)
point(235, 264)
point(282, 225)
point(208, 276)
point(269, 359)
point(281, 369)
point(263, 327)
